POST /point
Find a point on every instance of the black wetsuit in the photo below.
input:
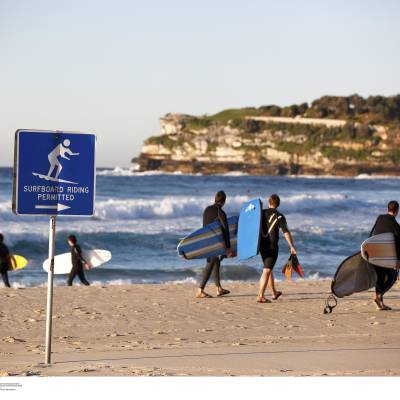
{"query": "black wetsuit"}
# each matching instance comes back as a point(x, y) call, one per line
point(77, 266)
point(272, 221)
point(387, 277)
point(211, 214)
point(4, 263)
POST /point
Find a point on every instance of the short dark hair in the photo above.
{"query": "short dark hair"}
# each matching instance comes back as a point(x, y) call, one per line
point(393, 206)
point(72, 239)
point(274, 200)
point(220, 197)
point(1, 238)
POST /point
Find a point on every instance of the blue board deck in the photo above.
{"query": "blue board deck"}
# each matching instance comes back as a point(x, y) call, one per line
point(249, 229)
point(208, 241)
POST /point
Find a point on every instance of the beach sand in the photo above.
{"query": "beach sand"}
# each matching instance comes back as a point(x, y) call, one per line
point(163, 330)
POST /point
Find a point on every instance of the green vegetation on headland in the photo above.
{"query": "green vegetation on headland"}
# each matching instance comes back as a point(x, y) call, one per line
point(331, 131)
point(378, 110)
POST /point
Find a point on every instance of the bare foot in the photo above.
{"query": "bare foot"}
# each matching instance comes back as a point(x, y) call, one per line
point(203, 295)
point(379, 304)
point(222, 292)
point(277, 295)
point(262, 299)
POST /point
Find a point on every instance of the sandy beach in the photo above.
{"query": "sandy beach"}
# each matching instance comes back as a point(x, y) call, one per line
point(163, 330)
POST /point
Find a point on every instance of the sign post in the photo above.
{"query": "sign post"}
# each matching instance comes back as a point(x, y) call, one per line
point(50, 274)
point(54, 174)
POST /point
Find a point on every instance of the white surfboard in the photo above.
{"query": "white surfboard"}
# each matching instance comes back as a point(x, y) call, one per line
point(50, 178)
point(63, 263)
point(380, 250)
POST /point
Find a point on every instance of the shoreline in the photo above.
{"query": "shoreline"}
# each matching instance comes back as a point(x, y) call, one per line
point(188, 281)
point(162, 329)
point(132, 171)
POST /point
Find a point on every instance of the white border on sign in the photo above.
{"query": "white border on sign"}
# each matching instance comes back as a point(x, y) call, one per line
point(16, 167)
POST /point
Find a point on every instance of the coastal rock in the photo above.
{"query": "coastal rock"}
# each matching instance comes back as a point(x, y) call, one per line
point(325, 138)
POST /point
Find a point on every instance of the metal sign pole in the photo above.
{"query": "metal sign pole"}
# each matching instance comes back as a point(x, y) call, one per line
point(49, 312)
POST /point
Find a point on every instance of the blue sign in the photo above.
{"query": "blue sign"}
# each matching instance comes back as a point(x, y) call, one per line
point(54, 173)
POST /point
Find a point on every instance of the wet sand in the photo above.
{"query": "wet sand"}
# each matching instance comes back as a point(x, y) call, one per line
point(163, 330)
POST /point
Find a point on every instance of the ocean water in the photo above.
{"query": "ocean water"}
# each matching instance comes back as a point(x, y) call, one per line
point(140, 218)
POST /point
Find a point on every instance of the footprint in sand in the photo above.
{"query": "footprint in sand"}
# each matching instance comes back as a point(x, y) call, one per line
point(11, 339)
point(31, 320)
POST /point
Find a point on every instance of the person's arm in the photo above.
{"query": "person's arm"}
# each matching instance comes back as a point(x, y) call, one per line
point(71, 153)
point(78, 252)
point(289, 239)
point(396, 232)
point(286, 233)
point(223, 220)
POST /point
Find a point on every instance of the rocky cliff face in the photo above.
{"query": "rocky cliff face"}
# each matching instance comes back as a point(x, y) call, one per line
point(256, 142)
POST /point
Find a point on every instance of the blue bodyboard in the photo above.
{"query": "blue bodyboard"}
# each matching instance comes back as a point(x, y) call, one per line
point(249, 229)
point(208, 241)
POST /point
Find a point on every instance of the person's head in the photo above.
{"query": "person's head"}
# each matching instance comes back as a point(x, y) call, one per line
point(72, 240)
point(274, 201)
point(1, 238)
point(66, 143)
point(220, 198)
point(393, 207)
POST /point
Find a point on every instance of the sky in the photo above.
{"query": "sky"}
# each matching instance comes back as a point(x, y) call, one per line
point(114, 67)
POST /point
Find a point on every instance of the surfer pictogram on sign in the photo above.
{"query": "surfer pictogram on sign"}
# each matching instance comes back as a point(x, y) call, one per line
point(62, 151)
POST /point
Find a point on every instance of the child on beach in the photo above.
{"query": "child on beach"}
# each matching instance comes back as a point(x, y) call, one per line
point(272, 221)
point(4, 261)
point(78, 262)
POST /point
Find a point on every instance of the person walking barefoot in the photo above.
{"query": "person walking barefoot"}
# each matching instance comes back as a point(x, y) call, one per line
point(215, 213)
point(272, 222)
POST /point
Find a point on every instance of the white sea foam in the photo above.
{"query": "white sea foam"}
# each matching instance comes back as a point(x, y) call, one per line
point(134, 171)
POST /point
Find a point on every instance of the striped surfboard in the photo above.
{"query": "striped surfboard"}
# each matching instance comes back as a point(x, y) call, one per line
point(208, 241)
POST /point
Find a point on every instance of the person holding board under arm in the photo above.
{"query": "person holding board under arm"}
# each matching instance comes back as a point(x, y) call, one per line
point(4, 261)
point(272, 222)
point(78, 262)
point(387, 277)
point(215, 213)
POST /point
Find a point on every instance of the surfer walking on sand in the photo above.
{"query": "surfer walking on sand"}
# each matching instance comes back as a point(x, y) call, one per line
point(78, 262)
point(387, 277)
point(61, 150)
point(215, 213)
point(272, 222)
point(4, 261)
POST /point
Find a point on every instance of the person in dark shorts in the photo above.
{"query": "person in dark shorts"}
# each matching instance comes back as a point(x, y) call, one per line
point(387, 277)
point(4, 261)
point(215, 213)
point(78, 262)
point(272, 222)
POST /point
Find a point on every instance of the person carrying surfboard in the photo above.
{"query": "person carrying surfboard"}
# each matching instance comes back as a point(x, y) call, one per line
point(215, 213)
point(387, 277)
point(272, 222)
point(78, 262)
point(4, 261)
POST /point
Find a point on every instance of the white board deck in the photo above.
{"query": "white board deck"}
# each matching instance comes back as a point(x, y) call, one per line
point(63, 264)
point(380, 250)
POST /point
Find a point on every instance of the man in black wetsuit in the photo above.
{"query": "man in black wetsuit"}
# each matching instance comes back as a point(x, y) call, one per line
point(386, 223)
point(4, 261)
point(78, 262)
point(272, 222)
point(215, 213)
